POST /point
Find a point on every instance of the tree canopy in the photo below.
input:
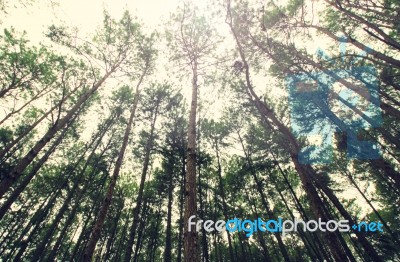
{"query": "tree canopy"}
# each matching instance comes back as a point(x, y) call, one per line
point(112, 144)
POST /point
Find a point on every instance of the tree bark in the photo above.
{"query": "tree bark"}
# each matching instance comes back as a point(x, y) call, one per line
point(224, 205)
point(168, 236)
point(136, 210)
point(190, 237)
point(88, 253)
point(16, 172)
point(264, 201)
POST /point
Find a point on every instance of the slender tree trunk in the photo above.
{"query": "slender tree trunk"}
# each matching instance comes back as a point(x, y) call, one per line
point(303, 213)
point(83, 233)
point(154, 239)
point(204, 243)
point(243, 254)
point(330, 210)
point(87, 256)
point(70, 243)
point(23, 243)
point(202, 211)
point(61, 236)
point(168, 237)
point(136, 210)
point(383, 37)
point(121, 239)
point(353, 182)
point(265, 202)
point(190, 237)
point(221, 189)
point(111, 240)
point(314, 254)
point(260, 238)
point(181, 201)
point(16, 172)
point(142, 224)
point(40, 247)
point(312, 194)
point(24, 229)
point(24, 183)
point(40, 94)
point(26, 131)
point(369, 249)
point(80, 245)
point(7, 235)
point(26, 179)
point(75, 192)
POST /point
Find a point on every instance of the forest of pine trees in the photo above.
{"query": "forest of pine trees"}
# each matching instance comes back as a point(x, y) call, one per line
point(111, 141)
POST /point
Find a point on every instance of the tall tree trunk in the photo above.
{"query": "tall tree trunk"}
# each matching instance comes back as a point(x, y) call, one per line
point(202, 211)
point(26, 131)
point(303, 214)
point(330, 210)
point(190, 237)
point(85, 230)
point(64, 229)
point(87, 256)
point(24, 183)
point(74, 192)
point(7, 253)
point(181, 200)
point(40, 247)
point(264, 201)
point(37, 221)
point(121, 239)
point(260, 238)
point(221, 189)
point(312, 250)
point(142, 224)
point(204, 243)
point(16, 172)
point(168, 236)
point(136, 210)
point(353, 182)
point(26, 179)
point(112, 239)
point(369, 249)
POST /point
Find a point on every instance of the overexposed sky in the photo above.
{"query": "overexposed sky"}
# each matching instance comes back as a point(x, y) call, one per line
point(86, 15)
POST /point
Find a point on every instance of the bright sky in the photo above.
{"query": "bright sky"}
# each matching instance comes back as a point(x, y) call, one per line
point(86, 15)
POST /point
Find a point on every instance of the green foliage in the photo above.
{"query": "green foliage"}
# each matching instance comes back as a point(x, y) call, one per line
point(21, 65)
point(245, 161)
point(6, 135)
